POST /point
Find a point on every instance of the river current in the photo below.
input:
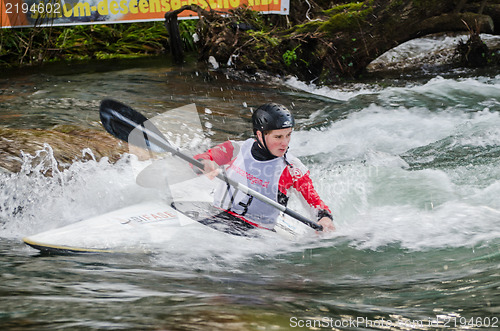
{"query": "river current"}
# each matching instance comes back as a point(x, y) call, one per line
point(410, 167)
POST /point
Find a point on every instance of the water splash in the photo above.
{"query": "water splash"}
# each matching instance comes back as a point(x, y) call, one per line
point(45, 195)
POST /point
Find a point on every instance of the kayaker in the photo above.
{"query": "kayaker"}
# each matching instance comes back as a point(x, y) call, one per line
point(264, 164)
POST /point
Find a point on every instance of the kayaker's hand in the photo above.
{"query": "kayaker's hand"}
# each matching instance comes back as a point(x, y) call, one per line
point(211, 169)
point(327, 224)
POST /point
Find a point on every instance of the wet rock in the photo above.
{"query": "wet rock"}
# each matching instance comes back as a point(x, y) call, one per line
point(4, 171)
point(68, 143)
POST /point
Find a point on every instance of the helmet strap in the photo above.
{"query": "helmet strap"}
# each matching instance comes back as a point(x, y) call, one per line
point(263, 145)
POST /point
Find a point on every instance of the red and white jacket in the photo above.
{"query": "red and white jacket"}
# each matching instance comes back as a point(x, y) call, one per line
point(295, 175)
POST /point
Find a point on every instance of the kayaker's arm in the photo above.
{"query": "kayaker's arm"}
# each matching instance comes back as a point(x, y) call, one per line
point(221, 154)
point(307, 190)
point(297, 176)
point(217, 156)
point(211, 169)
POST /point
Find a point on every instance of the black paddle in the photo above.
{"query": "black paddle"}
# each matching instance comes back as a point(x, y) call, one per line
point(120, 120)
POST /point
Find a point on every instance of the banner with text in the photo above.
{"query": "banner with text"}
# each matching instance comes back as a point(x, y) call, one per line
point(29, 13)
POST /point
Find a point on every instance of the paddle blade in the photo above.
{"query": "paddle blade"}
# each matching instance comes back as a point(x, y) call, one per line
point(110, 111)
point(171, 170)
point(131, 126)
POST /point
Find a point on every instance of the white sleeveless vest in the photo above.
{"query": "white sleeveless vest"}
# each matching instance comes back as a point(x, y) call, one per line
point(261, 176)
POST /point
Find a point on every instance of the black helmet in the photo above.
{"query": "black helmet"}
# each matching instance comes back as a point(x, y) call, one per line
point(272, 116)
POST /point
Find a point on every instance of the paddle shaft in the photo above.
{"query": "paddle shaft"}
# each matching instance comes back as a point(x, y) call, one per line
point(160, 141)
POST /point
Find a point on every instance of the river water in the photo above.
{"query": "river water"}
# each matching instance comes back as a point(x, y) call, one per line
point(410, 167)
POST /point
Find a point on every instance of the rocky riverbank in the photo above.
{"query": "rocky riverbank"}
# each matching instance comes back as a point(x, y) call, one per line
point(319, 40)
point(331, 43)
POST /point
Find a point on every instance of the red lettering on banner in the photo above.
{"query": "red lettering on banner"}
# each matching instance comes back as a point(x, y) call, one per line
point(19, 13)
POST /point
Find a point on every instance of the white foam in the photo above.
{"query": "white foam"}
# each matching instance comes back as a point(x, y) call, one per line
point(454, 224)
point(377, 129)
point(329, 92)
point(378, 200)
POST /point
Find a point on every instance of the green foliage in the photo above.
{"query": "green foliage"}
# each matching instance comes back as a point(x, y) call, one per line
point(290, 56)
point(187, 28)
point(16, 43)
point(108, 41)
point(81, 42)
point(9, 44)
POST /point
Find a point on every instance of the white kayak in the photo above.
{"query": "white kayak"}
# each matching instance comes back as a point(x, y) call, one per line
point(138, 227)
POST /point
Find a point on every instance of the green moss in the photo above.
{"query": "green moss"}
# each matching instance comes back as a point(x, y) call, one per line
point(342, 18)
point(349, 7)
point(308, 27)
point(345, 21)
point(263, 39)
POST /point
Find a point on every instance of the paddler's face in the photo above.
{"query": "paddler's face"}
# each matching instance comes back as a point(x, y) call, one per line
point(277, 140)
